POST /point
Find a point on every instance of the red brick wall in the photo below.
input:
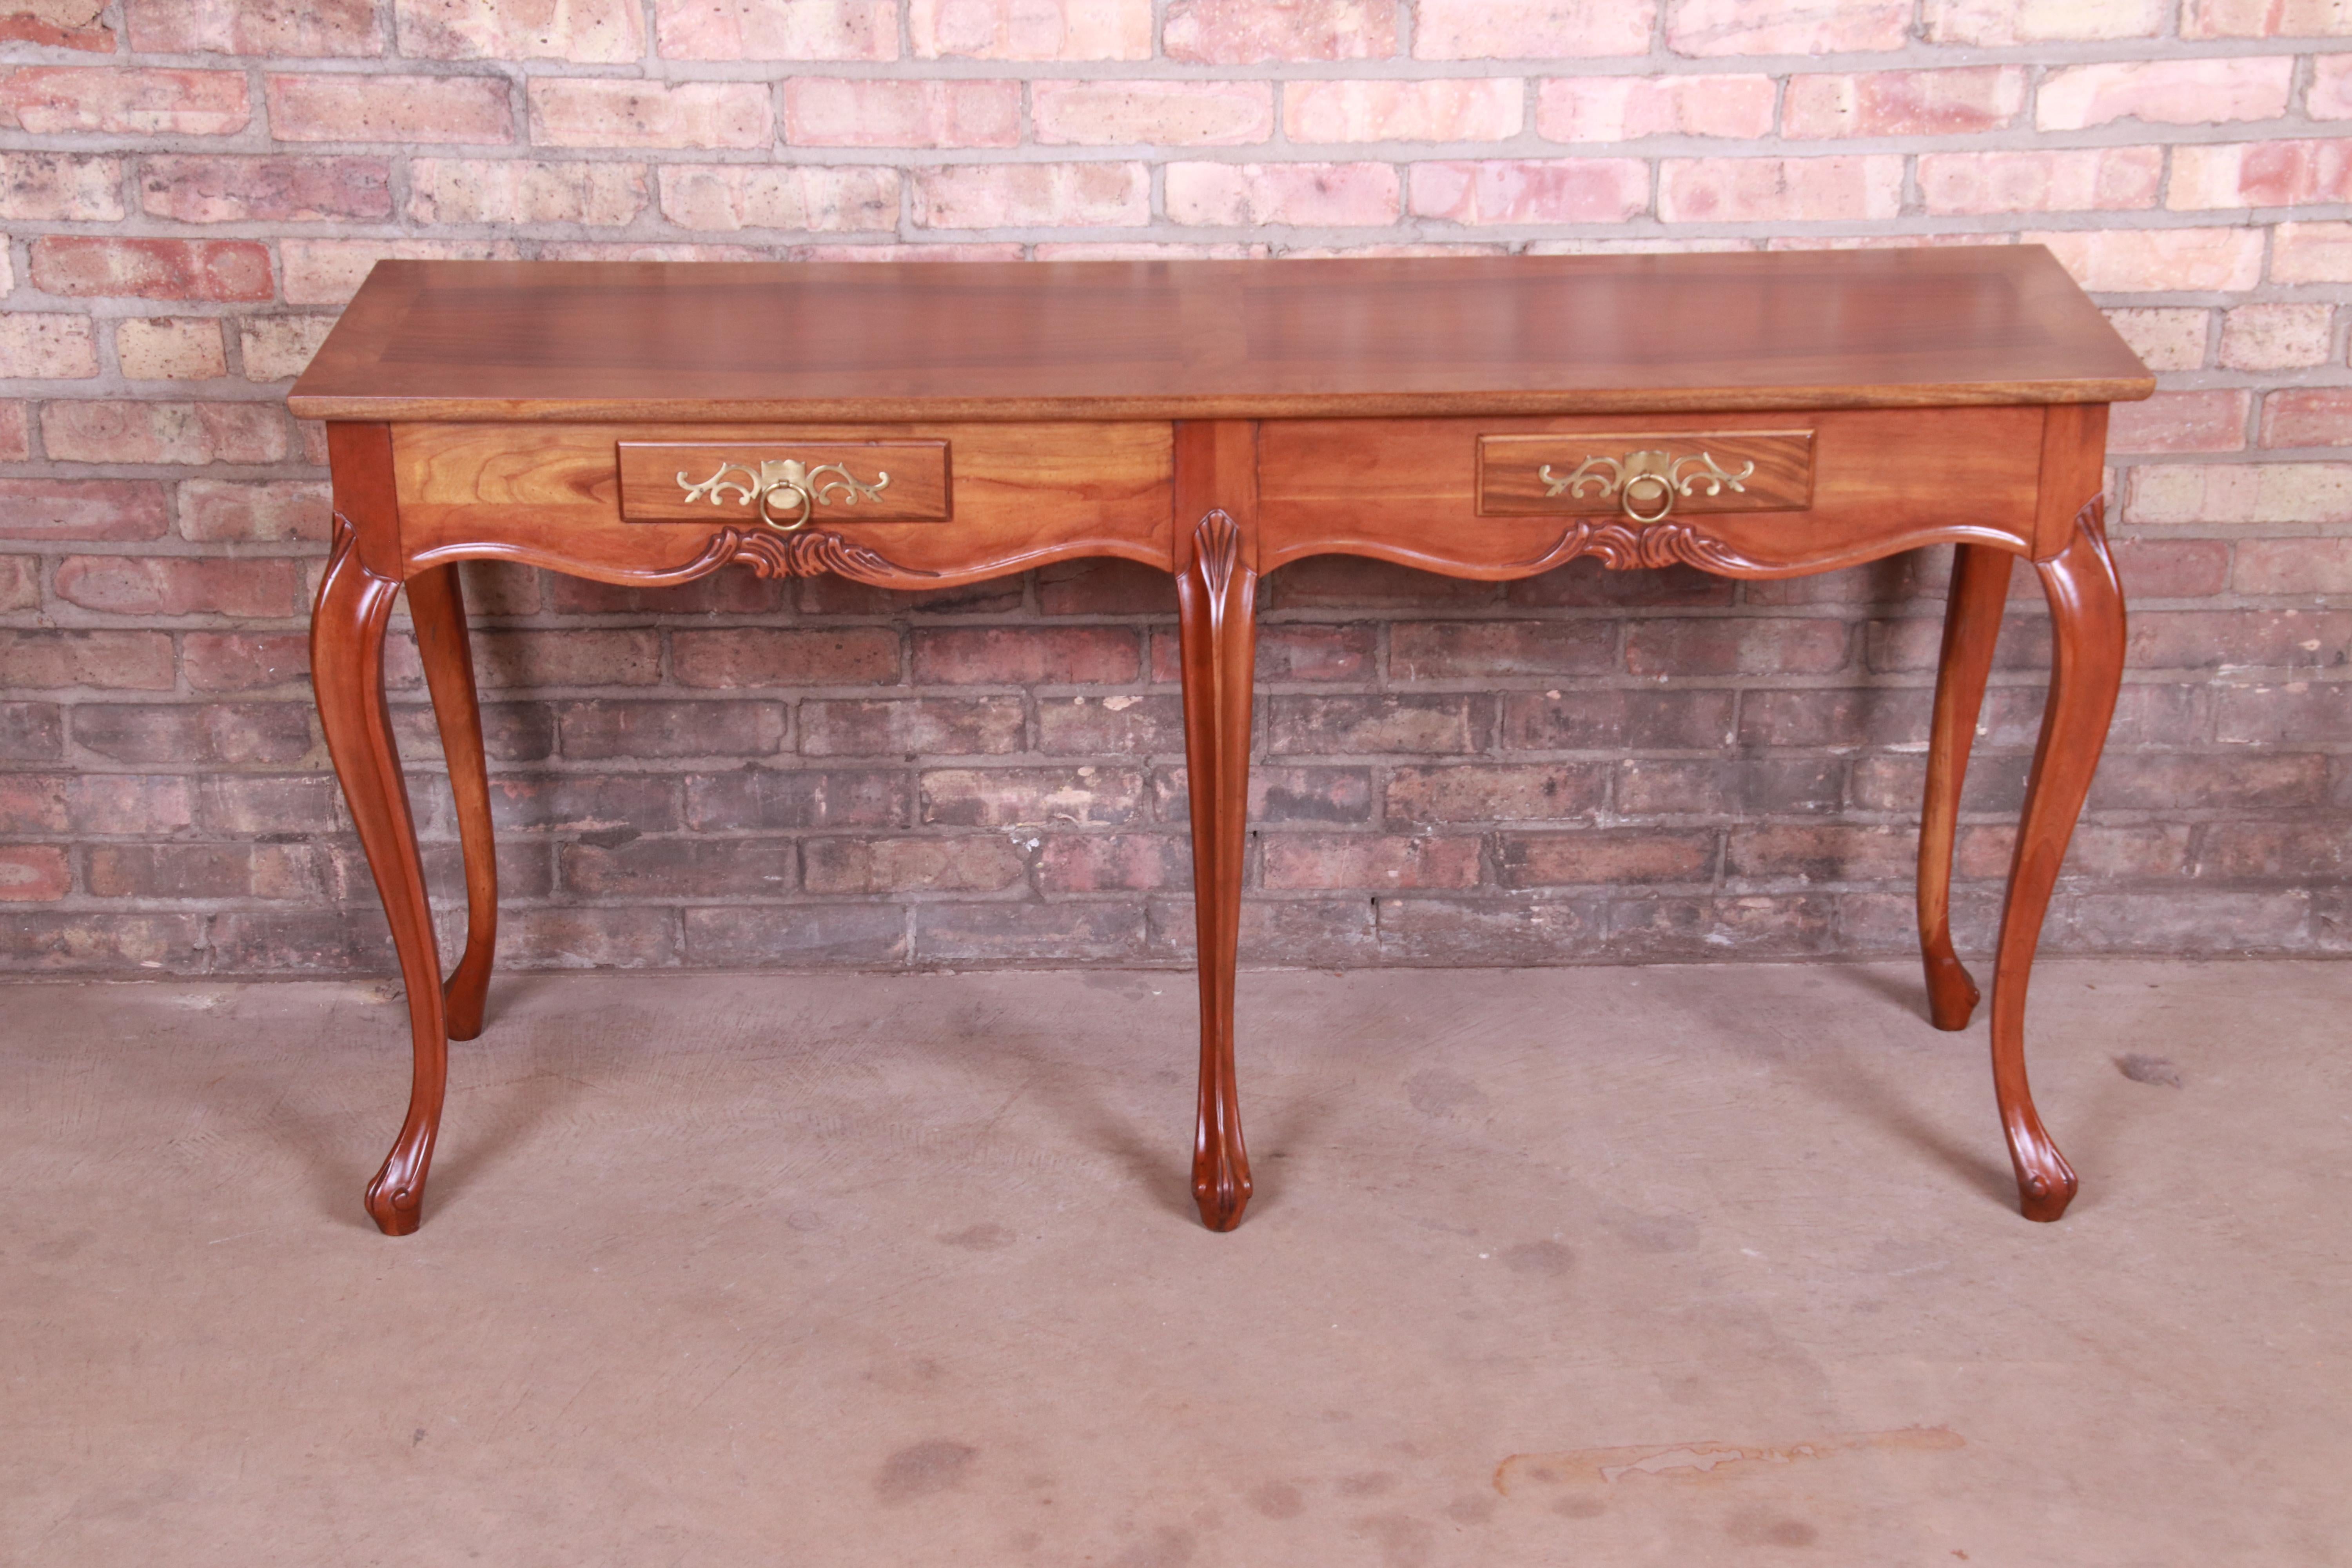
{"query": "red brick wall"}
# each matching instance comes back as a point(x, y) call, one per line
point(1579, 766)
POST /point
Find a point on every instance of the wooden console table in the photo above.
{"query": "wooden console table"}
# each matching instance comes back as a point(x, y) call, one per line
point(926, 425)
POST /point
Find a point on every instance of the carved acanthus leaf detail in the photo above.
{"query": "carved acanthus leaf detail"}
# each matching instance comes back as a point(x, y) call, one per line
point(796, 555)
point(1623, 548)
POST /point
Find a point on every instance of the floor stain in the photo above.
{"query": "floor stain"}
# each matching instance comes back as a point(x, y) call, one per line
point(981, 1238)
point(2142, 1068)
point(1277, 1500)
point(921, 1469)
point(1700, 1461)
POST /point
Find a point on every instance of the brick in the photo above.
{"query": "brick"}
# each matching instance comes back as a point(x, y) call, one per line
point(2250, 492)
point(32, 732)
point(1334, 726)
point(60, 187)
point(1251, 32)
point(84, 941)
point(1785, 26)
point(59, 25)
point(594, 32)
point(2133, 261)
point(511, 731)
point(15, 432)
point(2308, 416)
point(1957, 102)
point(1838, 718)
point(507, 659)
point(1778, 190)
point(1024, 932)
point(2253, 922)
point(1457, 650)
point(2171, 568)
point(1605, 857)
point(2293, 566)
point(614, 111)
point(20, 582)
point(243, 661)
point(2231, 638)
point(1552, 190)
point(1530, 29)
point(32, 802)
point(2331, 88)
point(2287, 713)
point(2260, 174)
point(2276, 336)
point(1774, 645)
point(1059, 655)
point(192, 433)
point(1030, 29)
point(2005, 22)
point(178, 585)
point(822, 30)
point(2275, 851)
point(1661, 787)
point(1479, 109)
point(1585, 583)
point(727, 197)
point(863, 935)
point(1110, 726)
point(853, 111)
point(397, 109)
point(520, 190)
point(605, 729)
point(185, 734)
point(771, 798)
point(1313, 860)
point(224, 270)
point(47, 347)
point(682, 867)
point(2098, 850)
point(2311, 253)
point(274, 511)
point(329, 271)
point(2078, 180)
point(33, 873)
point(134, 661)
point(1615, 719)
point(81, 508)
point(1820, 852)
point(1911, 643)
point(1001, 195)
point(1505, 929)
point(1356, 582)
point(1474, 791)
point(2263, 19)
point(2212, 421)
point(2236, 781)
point(1236, 196)
point(967, 863)
point(1730, 927)
point(327, 28)
point(1155, 113)
point(2210, 91)
point(1627, 109)
point(277, 348)
point(967, 726)
point(1114, 862)
point(266, 190)
point(204, 871)
point(170, 348)
point(1086, 797)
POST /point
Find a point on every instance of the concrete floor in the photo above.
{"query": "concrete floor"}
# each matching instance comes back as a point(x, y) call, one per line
point(1561, 1267)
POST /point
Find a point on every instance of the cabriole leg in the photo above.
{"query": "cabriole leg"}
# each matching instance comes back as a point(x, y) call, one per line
point(1216, 594)
point(347, 671)
point(2087, 609)
point(438, 606)
point(1971, 626)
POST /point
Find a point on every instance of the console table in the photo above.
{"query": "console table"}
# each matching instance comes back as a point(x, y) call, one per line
point(923, 425)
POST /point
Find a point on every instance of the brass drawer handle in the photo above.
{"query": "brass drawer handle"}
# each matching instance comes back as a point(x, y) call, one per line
point(804, 488)
point(1640, 479)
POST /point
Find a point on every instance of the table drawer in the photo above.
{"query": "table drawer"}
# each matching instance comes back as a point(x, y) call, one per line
point(915, 503)
point(1774, 492)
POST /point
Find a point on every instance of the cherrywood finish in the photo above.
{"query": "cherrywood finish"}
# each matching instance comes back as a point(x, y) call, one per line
point(1971, 626)
point(1217, 420)
point(1216, 600)
point(347, 628)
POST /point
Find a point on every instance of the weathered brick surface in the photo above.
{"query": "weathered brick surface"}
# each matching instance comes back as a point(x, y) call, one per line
point(1584, 765)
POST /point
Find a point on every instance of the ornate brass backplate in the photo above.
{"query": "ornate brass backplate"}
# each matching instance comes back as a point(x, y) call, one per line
point(1646, 476)
point(785, 485)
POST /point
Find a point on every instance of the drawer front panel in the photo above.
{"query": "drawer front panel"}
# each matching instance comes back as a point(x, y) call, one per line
point(785, 484)
point(1645, 475)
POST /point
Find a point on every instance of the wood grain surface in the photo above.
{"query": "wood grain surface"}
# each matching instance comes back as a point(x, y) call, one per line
point(1177, 340)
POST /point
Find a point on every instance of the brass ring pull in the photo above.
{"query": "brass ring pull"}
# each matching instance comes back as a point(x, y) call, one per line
point(1665, 492)
point(799, 520)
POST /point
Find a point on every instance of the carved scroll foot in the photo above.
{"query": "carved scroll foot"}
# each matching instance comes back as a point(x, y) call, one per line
point(347, 672)
point(1972, 629)
point(1216, 594)
point(2086, 610)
